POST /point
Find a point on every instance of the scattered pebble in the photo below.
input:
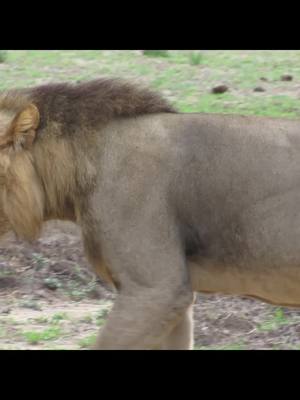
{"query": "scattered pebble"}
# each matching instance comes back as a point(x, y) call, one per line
point(264, 79)
point(6, 310)
point(220, 89)
point(286, 78)
point(259, 89)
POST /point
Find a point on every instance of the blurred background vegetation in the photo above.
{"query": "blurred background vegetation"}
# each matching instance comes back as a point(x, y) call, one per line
point(245, 82)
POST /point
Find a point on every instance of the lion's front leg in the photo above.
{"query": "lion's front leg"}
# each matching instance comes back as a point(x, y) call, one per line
point(153, 284)
point(144, 320)
point(182, 335)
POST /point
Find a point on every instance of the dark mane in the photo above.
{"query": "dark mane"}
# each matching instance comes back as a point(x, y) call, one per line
point(94, 102)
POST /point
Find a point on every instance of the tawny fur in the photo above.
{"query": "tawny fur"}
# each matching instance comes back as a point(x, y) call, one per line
point(23, 197)
point(47, 161)
point(68, 115)
point(167, 203)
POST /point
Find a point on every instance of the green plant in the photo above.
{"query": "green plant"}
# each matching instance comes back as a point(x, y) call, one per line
point(56, 318)
point(277, 320)
point(3, 55)
point(87, 319)
point(195, 58)
point(52, 283)
point(34, 337)
point(87, 341)
point(229, 346)
point(156, 53)
point(39, 260)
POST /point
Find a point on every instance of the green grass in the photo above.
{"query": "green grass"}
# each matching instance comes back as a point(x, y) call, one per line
point(186, 77)
point(230, 346)
point(195, 58)
point(3, 55)
point(156, 53)
point(87, 342)
point(103, 313)
point(52, 283)
point(277, 320)
point(293, 347)
point(100, 321)
point(39, 260)
point(87, 319)
point(35, 337)
point(58, 317)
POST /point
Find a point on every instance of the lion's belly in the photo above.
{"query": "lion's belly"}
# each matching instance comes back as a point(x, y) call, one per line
point(257, 255)
point(280, 286)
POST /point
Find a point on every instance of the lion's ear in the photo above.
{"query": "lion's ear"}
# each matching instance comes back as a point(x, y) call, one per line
point(23, 128)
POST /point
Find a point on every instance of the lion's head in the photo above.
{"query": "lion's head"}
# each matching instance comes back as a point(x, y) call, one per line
point(20, 196)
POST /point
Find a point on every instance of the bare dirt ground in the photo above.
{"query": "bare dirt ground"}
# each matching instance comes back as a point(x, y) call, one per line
point(50, 299)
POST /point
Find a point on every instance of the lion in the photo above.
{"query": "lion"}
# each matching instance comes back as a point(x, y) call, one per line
point(169, 204)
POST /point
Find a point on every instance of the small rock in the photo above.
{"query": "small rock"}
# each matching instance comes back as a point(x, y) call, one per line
point(51, 283)
point(286, 78)
point(264, 79)
point(7, 282)
point(259, 89)
point(61, 268)
point(6, 310)
point(219, 89)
